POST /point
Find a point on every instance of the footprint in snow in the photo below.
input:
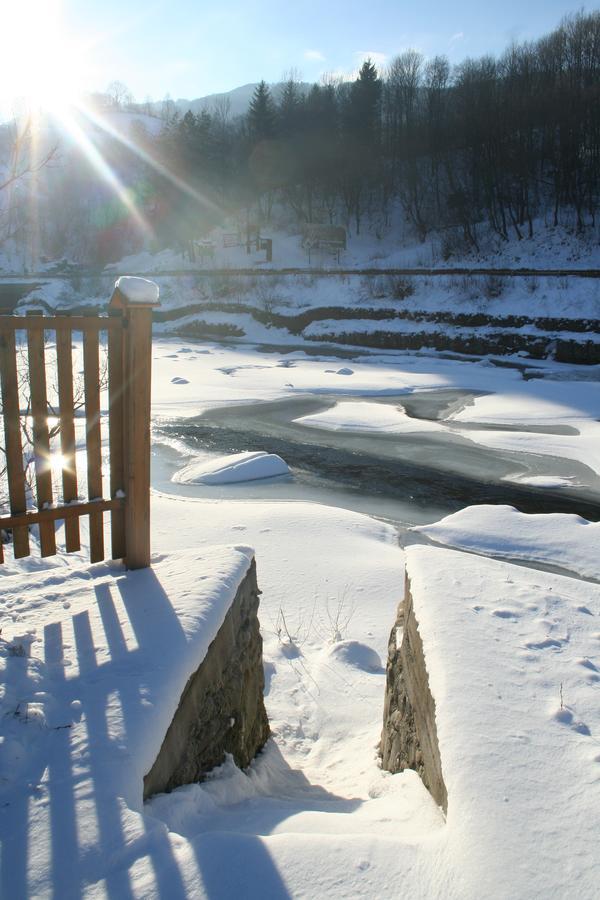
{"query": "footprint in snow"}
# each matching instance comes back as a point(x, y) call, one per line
point(588, 664)
point(178, 380)
point(565, 717)
point(505, 614)
point(548, 643)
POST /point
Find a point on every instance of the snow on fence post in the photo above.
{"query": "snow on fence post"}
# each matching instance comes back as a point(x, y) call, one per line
point(135, 298)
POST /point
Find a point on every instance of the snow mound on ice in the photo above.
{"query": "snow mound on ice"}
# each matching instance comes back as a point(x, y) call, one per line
point(542, 481)
point(232, 469)
point(362, 415)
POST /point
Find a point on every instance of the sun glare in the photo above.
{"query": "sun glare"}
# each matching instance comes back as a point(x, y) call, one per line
point(41, 65)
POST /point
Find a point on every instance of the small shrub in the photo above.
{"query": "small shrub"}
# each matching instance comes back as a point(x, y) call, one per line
point(471, 287)
point(493, 286)
point(377, 288)
point(531, 284)
point(401, 288)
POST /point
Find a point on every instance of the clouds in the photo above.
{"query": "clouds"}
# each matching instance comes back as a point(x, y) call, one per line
point(314, 56)
point(380, 59)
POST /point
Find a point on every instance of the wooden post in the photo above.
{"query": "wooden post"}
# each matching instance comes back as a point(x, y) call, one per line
point(137, 373)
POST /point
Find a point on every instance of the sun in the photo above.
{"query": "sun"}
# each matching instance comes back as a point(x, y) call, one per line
point(41, 65)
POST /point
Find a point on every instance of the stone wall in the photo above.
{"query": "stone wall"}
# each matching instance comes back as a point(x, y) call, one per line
point(222, 708)
point(409, 736)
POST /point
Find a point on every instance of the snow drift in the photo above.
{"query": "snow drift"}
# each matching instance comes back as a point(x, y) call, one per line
point(247, 466)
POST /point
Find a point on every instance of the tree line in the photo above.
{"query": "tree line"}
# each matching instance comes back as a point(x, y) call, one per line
point(502, 141)
point(497, 140)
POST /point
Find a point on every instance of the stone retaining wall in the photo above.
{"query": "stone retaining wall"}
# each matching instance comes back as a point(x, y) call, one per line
point(222, 708)
point(409, 736)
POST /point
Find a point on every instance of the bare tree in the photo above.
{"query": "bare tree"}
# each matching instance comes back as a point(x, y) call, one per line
point(119, 94)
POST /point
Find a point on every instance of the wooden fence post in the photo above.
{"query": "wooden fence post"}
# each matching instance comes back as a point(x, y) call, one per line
point(137, 374)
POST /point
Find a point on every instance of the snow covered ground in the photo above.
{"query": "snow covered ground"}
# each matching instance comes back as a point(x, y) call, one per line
point(393, 247)
point(513, 654)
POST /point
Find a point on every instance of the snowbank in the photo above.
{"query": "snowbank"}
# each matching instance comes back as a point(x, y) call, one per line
point(378, 418)
point(560, 540)
point(512, 656)
point(232, 469)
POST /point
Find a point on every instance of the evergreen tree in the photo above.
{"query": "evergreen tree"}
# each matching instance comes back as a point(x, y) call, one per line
point(261, 114)
point(290, 110)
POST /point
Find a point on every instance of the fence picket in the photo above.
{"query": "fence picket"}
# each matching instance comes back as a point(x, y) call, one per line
point(15, 472)
point(64, 364)
point(41, 437)
point(91, 380)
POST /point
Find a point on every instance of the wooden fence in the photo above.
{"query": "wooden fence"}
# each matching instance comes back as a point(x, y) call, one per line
point(128, 327)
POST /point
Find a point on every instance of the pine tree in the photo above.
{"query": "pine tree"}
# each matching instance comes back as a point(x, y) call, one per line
point(365, 105)
point(290, 110)
point(261, 114)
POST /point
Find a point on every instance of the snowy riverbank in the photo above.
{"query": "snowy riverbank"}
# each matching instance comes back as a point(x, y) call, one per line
point(512, 653)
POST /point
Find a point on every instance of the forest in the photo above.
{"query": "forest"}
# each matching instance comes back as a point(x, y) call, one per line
point(508, 143)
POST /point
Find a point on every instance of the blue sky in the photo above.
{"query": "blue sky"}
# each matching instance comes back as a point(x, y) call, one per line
point(190, 48)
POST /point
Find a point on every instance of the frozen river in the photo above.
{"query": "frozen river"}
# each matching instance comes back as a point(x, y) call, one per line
point(406, 478)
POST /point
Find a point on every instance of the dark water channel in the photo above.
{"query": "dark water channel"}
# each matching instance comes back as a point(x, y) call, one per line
point(405, 478)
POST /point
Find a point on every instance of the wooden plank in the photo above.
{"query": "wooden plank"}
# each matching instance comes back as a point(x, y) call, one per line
point(116, 436)
point(75, 510)
point(138, 373)
point(58, 323)
point(12, 437)
point(91, 382)
point(64, 363)
point(41, 439)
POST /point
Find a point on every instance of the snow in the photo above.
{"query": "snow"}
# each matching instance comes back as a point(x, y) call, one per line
point(94, 662)
point(314, 814)
point(138, 290)
point(236, 467)
point(367, 417)
point(510, 660)
point(512, 653)
point(573, 406)
point(559, 540)
point(542, 481)
point(213, 376)
point(396, 247)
